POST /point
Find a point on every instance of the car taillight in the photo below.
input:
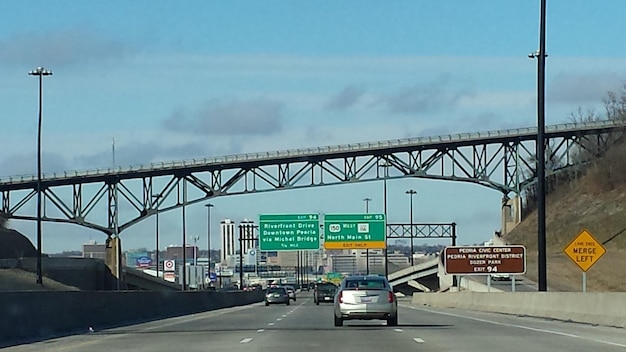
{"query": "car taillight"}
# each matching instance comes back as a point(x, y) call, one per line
point(340, 297)
point(391, 297)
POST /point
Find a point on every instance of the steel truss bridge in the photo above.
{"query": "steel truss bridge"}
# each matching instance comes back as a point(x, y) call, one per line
point(113, 199)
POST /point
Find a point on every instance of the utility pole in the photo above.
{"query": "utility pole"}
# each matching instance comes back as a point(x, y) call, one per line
point(411, 193)
point(367, 251)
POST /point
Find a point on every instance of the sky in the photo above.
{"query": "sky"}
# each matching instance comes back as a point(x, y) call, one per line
point(166, 81)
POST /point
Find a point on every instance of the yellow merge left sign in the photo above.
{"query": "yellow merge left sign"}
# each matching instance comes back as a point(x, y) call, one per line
point(584, 250)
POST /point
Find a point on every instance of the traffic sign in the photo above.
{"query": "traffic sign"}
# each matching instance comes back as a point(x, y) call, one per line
point(584, 250)
point(484, 260)
point(279, 232)
point(354, 231)
point(168, 265)
point(212, 277)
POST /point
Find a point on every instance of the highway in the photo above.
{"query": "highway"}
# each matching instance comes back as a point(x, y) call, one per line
point(304, 326)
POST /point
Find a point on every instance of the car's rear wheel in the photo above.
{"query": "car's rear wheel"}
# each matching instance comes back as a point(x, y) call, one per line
point(393, 321)
point(338, 321)
point(317, 302)
point(267, 304)
point(287, 302)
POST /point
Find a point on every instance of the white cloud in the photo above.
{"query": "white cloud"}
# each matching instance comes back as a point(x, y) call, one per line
point(62, 48)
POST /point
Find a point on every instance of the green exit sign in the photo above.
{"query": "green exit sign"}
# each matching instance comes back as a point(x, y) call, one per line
point(280, 232)
point(355, 231)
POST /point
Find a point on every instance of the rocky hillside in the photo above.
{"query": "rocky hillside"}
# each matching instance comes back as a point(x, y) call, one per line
point(595, 201)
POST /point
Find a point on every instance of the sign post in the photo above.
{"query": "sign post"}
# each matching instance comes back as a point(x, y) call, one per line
point(279, 232)
point(584, 251)
point(354, 231)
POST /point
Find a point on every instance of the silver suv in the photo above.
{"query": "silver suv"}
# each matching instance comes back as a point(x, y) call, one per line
point(365, 297)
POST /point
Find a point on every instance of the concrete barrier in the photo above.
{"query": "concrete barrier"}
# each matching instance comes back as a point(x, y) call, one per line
point(33, 315)
point(599, 308)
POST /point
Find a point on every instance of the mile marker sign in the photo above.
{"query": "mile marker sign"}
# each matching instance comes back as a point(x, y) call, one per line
point(584, 250)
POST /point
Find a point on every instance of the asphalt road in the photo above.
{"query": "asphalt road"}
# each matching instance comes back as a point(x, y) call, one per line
point(304, 326)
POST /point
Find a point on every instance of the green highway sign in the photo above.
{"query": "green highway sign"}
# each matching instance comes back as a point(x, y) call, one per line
point(360, 231)
point(279, 232)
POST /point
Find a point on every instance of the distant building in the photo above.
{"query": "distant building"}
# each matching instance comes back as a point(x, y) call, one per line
point(227, 234)
point(176, 253)
point(94, 250)
point(398, 258)
point(246, 233)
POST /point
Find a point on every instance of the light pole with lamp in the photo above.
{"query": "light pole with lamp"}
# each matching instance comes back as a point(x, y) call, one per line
point(157, 197)
point(367, 251)
point(540, 55)
point(411, 193)
point(386, 166)
point(40, 72)
point(208, 208)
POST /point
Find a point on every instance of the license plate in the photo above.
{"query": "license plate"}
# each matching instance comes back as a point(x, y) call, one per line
point(366, 299)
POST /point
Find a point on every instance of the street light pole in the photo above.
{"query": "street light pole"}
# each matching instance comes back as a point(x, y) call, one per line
point(241, 229)
point(208, 208)
point(157, 197)
point(386, 166)
point(411, 193)
point(367, 251)
point(40, 72)
point(367, 202)
point(541, 55)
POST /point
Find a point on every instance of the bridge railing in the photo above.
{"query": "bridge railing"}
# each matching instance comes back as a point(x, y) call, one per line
point(289, 153)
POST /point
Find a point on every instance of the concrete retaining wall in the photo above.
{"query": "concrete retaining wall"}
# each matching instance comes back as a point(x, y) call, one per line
point(602, 308)
point(37, 315)
point(83, 273)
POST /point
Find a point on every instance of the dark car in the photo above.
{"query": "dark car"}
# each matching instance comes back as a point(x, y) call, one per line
point(324, 292)
point(276, 294)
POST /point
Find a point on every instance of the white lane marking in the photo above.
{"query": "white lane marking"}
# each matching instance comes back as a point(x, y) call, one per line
point(398, 330)
point(418, 340)
point(270, 324)
point(246, 340)
point(285, 315)
point(553, 332)
point(260, 330)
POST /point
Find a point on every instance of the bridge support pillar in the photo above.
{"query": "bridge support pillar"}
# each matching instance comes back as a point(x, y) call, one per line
point(113, 260)
point(511, 214)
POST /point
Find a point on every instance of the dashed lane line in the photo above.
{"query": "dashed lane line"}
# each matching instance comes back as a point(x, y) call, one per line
point(553, 332)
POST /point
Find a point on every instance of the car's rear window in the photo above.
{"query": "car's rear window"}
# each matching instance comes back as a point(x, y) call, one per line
point(275, 290)
point(365, 284)
point(326, 288)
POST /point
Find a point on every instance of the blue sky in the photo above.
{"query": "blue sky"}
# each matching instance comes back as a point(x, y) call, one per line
point(181, 80)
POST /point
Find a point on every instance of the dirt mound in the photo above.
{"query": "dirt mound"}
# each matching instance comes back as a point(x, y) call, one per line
point(596, 202)
point(14, 245)
point(22, 280)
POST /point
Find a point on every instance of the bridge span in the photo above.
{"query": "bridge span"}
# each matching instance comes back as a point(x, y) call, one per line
point(503, 160)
